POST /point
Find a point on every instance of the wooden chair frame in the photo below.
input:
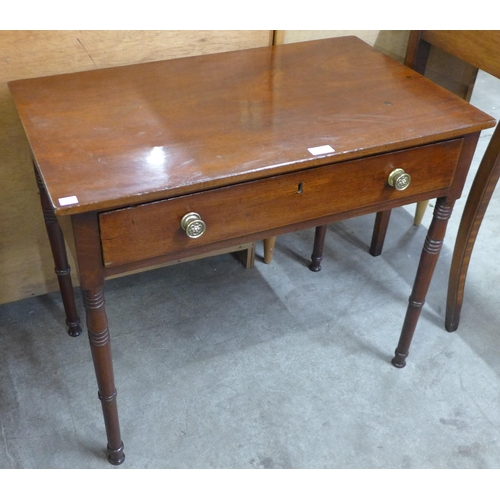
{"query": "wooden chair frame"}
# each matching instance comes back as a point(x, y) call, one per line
point(481, 50)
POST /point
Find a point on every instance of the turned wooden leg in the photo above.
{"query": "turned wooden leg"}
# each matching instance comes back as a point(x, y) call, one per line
point(60, 257)
point(477, 202)
point(428, 260)
point(100, 346)
point(319, 243)
point(379, 232)
point(88, 249)
point(269, 249)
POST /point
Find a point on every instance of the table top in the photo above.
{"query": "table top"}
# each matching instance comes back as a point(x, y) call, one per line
point(110, 137)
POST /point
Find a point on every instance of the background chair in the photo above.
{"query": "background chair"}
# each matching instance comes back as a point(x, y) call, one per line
point(481, 49)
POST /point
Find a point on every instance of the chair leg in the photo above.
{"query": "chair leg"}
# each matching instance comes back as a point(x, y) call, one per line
point(269, 249)
point(419, 212)
point(319, 243)
point(477, 202)
point(379, 232)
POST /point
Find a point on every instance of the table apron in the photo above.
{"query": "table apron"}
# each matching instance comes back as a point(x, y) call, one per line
point(150, 230)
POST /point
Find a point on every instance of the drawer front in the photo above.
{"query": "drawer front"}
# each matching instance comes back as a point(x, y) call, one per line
point(154, 229)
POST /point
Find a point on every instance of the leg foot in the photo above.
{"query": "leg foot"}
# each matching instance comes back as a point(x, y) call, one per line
point(315, 265)
point(116, 457)
point(451, 324)
point(399, 360)
point(74, 328)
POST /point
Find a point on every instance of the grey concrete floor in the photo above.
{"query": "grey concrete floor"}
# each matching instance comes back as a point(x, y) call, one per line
point(274, 367)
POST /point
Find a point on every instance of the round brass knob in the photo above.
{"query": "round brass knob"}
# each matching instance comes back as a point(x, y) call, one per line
point(399, 179)
point(193, 225)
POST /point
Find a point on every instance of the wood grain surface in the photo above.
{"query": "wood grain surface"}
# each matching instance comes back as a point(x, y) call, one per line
point(117, 136)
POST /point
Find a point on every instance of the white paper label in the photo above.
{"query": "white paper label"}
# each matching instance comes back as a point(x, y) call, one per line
point(321, 150)
point(68, 200)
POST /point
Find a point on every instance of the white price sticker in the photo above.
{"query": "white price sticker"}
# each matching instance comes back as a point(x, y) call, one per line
point(321, 150)
point(68, 200)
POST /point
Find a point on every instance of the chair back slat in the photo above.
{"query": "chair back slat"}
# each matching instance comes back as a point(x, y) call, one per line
point(480, 48)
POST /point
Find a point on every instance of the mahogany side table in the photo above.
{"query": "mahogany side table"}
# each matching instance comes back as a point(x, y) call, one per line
point(166, 160)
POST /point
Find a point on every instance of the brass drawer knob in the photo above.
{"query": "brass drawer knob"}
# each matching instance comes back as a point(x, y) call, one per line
point(193, 225)
point(399, 179)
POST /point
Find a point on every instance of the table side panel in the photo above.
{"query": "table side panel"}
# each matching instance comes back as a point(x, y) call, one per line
point(150, 230)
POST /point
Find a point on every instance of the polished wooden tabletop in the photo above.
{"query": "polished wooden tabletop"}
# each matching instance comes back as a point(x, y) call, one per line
point(110, 137)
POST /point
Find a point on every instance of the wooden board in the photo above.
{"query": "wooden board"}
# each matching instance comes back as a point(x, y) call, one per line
point(390, 42)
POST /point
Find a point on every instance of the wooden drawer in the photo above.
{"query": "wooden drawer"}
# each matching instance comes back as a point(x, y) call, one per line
point(153, 229)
